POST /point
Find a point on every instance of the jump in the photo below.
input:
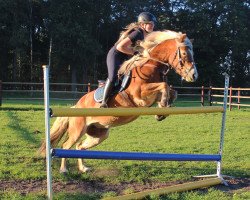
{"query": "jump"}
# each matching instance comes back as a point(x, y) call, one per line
point(162, 51)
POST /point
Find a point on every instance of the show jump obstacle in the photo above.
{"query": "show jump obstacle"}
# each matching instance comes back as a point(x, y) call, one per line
point(73, 112)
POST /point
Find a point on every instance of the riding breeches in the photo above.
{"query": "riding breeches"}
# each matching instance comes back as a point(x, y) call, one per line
point(114, 60)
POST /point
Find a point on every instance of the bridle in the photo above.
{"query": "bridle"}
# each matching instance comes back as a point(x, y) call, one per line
point(177, 55)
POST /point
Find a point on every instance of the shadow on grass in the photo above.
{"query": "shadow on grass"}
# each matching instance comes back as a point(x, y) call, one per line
point(20, 109)
point(144, 173)
point(22, 132)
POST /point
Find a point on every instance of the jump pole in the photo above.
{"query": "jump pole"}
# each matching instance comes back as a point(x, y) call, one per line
point(68, 153)
point(170, 189)
point(76, 112)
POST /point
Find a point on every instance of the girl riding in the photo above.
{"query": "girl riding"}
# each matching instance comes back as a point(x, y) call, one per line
point(123, 49)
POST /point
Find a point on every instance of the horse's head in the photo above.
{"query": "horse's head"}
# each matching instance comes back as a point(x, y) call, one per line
point(173, 49)
point(182, 59)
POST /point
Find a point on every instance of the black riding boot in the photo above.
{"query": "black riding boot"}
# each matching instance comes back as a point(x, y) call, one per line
point(106, 93)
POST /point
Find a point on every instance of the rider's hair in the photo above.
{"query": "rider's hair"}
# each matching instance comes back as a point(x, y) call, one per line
point(127, 30)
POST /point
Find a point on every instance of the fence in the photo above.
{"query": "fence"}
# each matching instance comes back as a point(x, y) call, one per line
point(231, 96)
point(34, 91)
point(192, 92)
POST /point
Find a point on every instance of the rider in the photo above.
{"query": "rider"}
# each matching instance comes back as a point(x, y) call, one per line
point(123, 49)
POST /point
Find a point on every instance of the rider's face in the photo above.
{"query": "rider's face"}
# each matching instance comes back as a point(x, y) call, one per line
point(148, 27)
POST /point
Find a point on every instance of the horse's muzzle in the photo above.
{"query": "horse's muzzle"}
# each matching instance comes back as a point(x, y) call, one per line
point(192, 74)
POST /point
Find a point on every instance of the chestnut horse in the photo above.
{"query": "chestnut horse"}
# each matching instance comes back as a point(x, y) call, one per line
point(163, 50)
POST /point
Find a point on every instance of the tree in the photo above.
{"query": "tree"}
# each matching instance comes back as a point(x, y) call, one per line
point(83, 32)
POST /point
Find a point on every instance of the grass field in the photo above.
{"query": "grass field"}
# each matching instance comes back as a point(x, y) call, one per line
point(23, 171)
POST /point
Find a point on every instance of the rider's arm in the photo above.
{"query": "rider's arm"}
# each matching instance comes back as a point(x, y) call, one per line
point(125, 46)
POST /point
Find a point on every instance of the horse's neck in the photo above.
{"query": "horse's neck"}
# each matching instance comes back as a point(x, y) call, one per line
point(146, 72)
point(162, 52)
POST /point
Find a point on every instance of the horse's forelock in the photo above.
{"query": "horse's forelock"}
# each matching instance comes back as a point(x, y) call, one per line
point(187, 43)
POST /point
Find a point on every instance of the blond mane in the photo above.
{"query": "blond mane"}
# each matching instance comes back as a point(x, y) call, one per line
point(150, 41)
point(157, 37)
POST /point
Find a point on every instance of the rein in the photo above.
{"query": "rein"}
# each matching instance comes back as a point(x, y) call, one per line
point(154, 59)
point(170, 66)
point(165, 72)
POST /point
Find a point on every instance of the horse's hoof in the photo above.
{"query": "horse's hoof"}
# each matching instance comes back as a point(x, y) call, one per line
point(141, 103)
point(84, 170)
point(160, 117)
point(63, 172)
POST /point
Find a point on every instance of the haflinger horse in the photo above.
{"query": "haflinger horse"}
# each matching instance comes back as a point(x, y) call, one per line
point(163, 50)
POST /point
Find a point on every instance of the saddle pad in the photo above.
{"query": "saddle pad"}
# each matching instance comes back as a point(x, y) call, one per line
point(98, 95)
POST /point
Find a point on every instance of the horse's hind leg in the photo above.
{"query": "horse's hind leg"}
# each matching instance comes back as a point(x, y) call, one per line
point(94, 137)
point(75, 131)
point(67, 145)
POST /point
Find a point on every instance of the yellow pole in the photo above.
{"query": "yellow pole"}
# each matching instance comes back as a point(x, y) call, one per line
point(176, 188)
point(76, 112)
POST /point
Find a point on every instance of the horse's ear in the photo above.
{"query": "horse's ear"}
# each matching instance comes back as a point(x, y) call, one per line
point(191, 40)
point(183, 37)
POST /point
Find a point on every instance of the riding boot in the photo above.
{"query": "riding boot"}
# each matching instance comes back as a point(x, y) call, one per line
point(106, 93)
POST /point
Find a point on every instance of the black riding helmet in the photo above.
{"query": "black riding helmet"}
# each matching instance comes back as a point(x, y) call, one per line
point(146, 17)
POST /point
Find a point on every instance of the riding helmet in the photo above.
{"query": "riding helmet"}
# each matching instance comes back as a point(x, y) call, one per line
point(146, 17)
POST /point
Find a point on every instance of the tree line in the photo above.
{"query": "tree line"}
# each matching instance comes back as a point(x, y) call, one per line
point(81, 32)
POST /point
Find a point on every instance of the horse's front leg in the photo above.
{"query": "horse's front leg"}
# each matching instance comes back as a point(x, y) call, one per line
point(160, 117)
point(162, 91)
point(172, 97)
point(137, 96)
point(163, 101)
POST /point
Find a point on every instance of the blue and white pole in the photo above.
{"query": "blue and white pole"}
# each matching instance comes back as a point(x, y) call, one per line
point(47, 130)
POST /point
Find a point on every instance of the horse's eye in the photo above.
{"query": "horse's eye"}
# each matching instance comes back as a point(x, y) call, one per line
point(184, 53)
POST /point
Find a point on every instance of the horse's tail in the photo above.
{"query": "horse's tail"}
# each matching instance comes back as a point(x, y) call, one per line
point(57, 131)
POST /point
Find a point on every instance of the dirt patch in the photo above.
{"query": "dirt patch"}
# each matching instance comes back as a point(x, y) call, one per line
point(33, 186)
point(107, 172)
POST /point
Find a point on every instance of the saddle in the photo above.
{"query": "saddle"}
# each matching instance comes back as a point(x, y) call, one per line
point(120, 85)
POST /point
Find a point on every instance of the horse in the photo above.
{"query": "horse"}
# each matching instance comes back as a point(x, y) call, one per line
point(162, 51)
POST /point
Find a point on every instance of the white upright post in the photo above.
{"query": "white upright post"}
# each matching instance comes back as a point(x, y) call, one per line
point(47, 130)
point(218, 174)
point(223, 123)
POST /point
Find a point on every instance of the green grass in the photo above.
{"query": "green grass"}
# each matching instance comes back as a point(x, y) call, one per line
point(199, 134)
